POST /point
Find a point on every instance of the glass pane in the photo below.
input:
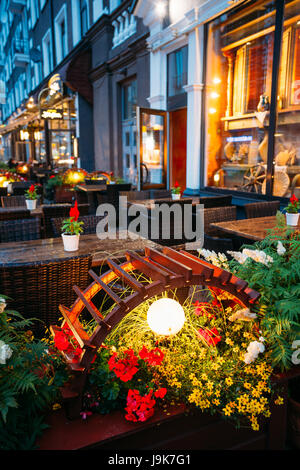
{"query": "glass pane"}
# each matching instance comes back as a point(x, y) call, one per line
point(238, 89)
point(62, 148)
point(287, 137)
point(153, 139)
point(129, 100)
point(177, 71)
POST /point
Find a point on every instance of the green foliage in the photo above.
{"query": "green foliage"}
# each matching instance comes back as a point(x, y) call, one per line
point(4, 166)
point(29, 381)
point(55, 181)
point(279, 286)
point(72, 227)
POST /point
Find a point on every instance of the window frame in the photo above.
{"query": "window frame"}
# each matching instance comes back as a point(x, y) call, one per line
point(60, 18)
point(278, 32)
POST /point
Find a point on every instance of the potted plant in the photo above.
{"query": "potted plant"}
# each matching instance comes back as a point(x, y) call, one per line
point(31, 197)
point(292, 211)
point(72, 228)
point(176, 191)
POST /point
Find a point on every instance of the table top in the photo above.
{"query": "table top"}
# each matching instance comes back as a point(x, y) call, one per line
point(90, 188)
point(151, 202)
point(38, 212)
point(253, 229)
point(49, 249)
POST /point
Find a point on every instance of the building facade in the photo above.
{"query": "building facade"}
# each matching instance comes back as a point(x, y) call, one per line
point(84, 62)
point(225, 78)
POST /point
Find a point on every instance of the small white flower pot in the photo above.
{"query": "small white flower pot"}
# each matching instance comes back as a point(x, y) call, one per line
point(292, 219)
point(175, 197)
point(71, 242)
point(31, 204)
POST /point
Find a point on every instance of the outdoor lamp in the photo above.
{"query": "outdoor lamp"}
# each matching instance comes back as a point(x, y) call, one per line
point(165, 317)
point(161, 8)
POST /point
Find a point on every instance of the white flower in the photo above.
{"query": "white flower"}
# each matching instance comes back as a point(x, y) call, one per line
point(243, 314)
point(280, 248)
point(258, 256)
point(2, 304)
point(212, 257)
point(239, 257)
point(5, 352)
point(253, 350)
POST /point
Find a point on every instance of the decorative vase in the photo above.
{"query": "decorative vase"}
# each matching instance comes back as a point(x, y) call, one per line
point(292, 219)
point(71, 242)
point(31, 204)
point(263, 104)
point(175, 197)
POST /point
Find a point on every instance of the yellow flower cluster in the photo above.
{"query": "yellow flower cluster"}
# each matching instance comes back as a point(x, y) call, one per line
point(197, 398)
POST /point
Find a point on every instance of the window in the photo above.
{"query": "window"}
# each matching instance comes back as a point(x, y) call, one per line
point(98, 9)
point(129, 100)
point(287, 134)
point(47, 53)
point(61, 37)
point(177, 71)
point(83, 17)
point(34, 9)
point(240, 46)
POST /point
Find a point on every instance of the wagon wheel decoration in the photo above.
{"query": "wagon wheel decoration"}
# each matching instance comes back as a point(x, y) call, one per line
point(167, 270)
point(253, 179)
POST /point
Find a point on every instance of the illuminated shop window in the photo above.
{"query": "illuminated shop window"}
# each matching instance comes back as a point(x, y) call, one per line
point(287, 135)
point(237, 100)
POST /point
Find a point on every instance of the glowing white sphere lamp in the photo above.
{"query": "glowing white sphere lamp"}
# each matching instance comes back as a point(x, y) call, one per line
point(165, 317)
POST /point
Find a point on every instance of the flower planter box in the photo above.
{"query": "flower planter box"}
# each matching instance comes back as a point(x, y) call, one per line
point(173, 428)
point(63, 194)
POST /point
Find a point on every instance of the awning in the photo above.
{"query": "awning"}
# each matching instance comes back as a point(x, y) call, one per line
point(75, 74)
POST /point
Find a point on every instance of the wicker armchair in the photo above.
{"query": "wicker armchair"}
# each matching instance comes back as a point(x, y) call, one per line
point(59, 210)
point(261, 209)
point(213, 239)
point(37, 290)
point(160, 193)
point(89, 227)
point(10, 214)
point(217, 214)
point(20, 230)
point(13, 201)
point(174, 222)
point(136, 195)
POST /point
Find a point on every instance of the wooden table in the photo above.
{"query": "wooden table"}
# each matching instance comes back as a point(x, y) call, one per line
point(252, 229)
point(48, 249)
point(150, 203)
point(92, 190)
point(38, 212)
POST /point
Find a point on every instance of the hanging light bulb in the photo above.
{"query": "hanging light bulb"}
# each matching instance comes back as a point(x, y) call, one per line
point(165, 317)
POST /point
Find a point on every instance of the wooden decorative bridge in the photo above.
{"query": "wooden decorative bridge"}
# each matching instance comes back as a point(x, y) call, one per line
point(167, 270)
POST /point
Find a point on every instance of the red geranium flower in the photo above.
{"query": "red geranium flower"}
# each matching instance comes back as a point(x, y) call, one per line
point(139, 408)
point(61, 341)
point(160, 393)
point(124, 368)
point(74, 212)
point(31, 189)
point(153, 357)
point(211, 336)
